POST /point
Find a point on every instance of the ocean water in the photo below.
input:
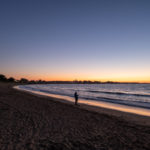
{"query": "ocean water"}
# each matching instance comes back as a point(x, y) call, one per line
point(135, 95)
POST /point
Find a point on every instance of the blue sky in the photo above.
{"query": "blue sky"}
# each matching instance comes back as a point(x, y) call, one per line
point(75, 39)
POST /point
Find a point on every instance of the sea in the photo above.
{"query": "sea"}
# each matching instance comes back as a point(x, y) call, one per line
point(132, 95)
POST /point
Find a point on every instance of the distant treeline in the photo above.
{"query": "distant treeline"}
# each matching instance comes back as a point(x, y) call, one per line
point(3, 78)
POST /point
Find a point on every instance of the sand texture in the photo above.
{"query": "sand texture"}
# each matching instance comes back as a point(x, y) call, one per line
point(28, 122)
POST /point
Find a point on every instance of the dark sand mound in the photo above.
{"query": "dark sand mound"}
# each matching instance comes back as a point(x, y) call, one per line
point(28, 122)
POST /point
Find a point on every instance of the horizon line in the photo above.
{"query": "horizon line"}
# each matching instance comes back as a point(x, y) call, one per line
point(80, 80)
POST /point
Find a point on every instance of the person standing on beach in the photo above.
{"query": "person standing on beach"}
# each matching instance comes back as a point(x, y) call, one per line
point(76, 98)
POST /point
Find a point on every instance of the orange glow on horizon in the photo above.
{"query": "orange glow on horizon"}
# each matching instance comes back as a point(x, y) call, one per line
point(67, 78)
point(103, 76)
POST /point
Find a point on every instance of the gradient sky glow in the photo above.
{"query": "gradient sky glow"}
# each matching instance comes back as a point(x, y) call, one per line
point(75, 39)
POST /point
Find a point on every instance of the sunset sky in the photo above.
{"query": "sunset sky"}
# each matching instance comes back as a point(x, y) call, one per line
point(75, 39)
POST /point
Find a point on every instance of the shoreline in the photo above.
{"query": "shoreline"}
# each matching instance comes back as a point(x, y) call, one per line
point(35, 122)
point(140, 106)
point(142, 118)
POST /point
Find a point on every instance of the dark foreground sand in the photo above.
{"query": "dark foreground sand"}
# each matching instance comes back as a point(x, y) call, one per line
point(28, 122)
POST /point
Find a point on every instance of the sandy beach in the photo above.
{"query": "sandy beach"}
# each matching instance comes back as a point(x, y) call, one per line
point(30, 122)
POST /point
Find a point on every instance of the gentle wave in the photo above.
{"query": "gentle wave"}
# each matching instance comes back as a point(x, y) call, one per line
point(120, 93)
point(44, 91)
point(126, 102)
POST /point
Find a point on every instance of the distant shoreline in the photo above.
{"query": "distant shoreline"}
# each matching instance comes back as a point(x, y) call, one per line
point(3, 78)
point(70, 82)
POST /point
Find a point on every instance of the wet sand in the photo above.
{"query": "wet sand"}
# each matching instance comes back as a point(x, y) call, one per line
point(30, 122)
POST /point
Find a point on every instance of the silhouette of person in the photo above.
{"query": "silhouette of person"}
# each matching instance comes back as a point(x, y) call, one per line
point(76, 98)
